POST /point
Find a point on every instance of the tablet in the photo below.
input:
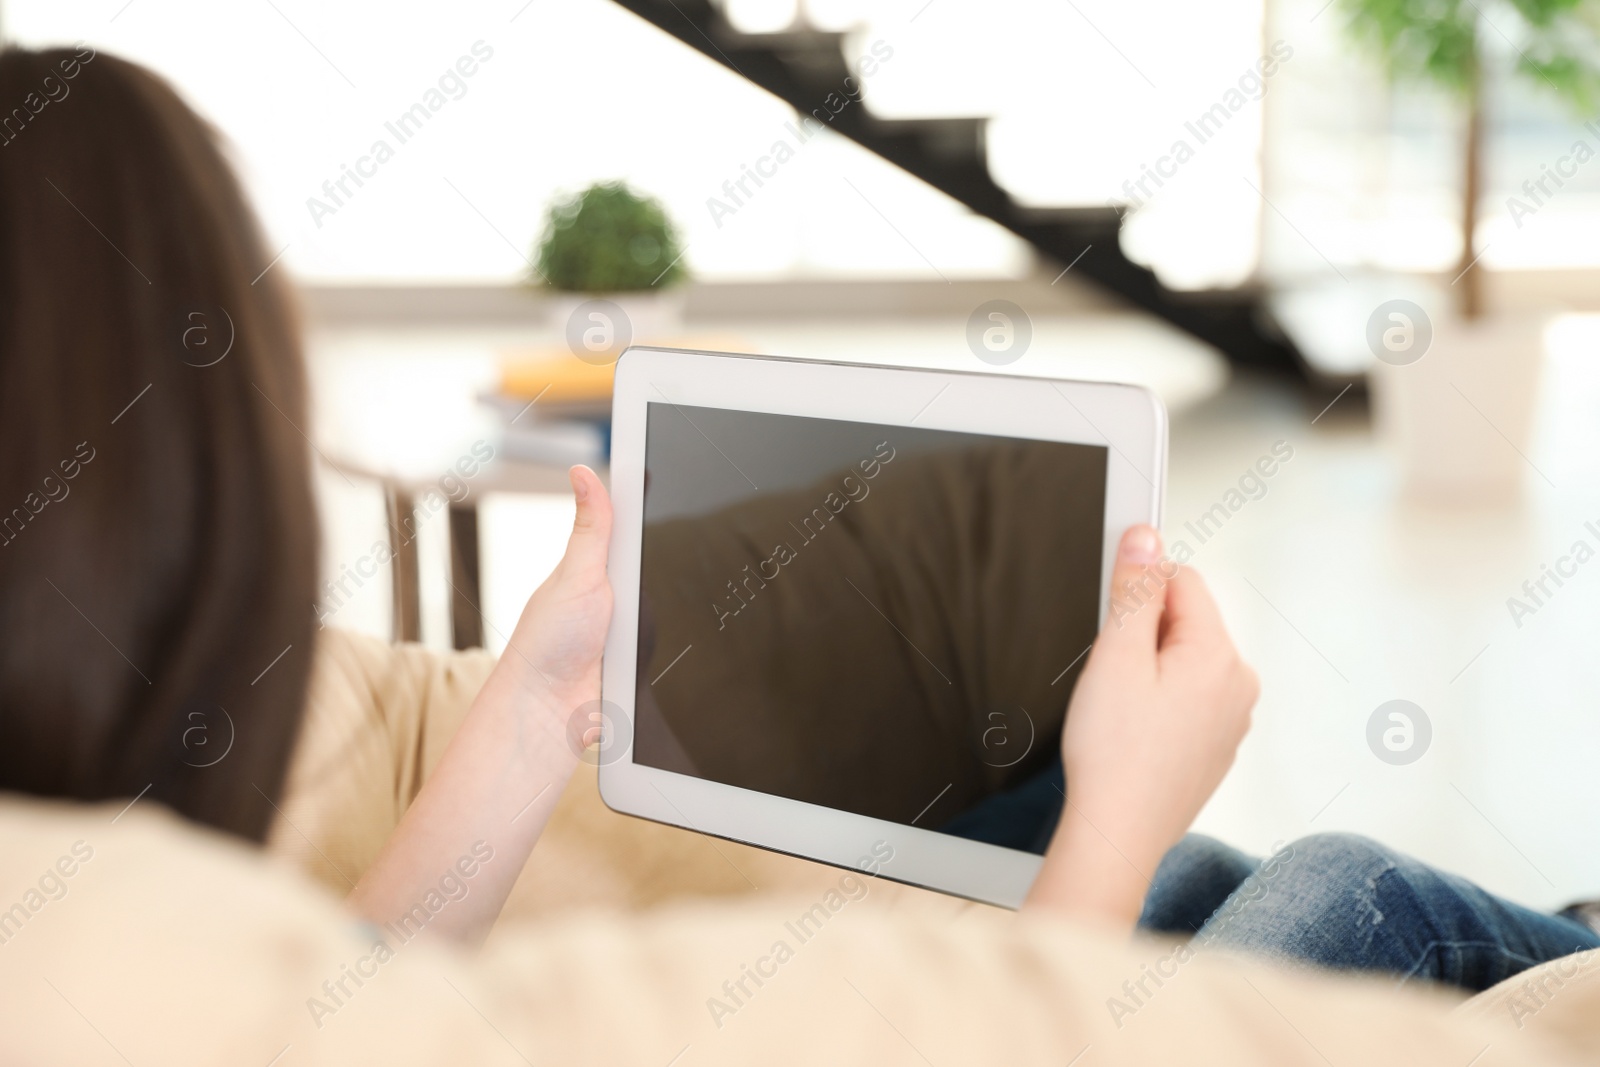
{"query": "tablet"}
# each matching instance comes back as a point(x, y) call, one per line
point(851, 602)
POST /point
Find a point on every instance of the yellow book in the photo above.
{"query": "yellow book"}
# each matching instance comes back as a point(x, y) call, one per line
point(568, 382)
point(556, 373)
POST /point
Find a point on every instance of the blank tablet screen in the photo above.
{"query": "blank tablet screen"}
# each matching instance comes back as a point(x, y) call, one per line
point(884, 620)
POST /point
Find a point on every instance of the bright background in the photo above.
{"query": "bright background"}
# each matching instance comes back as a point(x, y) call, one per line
point(1340, 591)
point(1082, 95)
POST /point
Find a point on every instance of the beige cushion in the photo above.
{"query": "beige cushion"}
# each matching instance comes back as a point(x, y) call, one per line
point(379, 717)
point(1560, 999)
point(172, 945)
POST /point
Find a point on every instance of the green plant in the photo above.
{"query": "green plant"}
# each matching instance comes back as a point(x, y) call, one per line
point(609, 239)
point(1441, 41)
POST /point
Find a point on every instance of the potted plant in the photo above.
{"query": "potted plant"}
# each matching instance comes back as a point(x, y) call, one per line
point(610, 245)
point(1454, 412)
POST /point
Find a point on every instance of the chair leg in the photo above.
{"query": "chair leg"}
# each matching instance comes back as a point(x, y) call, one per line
point(466, 597)
point(404, 568)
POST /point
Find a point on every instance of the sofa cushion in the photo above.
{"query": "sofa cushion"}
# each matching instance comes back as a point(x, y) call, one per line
point(177, 946)
point(1559, 999)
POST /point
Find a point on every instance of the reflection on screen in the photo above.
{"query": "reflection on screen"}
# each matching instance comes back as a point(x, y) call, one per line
point(881, 619)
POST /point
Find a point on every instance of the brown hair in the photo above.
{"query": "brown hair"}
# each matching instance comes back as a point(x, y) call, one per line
point(157, 532)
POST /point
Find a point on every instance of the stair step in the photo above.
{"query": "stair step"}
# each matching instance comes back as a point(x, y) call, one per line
point(803, 67)
point(945, 138)
point(1085, 218)
point(782, 43)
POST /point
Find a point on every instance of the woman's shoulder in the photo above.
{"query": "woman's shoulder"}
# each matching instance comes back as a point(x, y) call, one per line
point(409, 693)
point(384, 669)
point(377, 718)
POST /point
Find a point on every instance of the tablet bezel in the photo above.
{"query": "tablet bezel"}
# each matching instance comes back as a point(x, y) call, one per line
point(1046, 409)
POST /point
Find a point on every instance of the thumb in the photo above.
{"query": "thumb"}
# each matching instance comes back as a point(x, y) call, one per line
point(591, 526)
point(1138, 595)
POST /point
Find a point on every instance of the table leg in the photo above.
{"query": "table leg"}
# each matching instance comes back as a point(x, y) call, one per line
point(466, 597)
point(403, 563)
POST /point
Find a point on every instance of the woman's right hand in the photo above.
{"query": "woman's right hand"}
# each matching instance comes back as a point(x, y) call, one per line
point(1152, 728)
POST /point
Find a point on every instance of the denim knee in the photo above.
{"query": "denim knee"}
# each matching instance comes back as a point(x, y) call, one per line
point(1343, 851)
point(1199, 856)
point(1348, 903)
point(1345, 874)
point(1194, 878)
point(1324, 899)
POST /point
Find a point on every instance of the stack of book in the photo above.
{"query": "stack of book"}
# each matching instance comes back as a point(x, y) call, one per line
point(555, 408)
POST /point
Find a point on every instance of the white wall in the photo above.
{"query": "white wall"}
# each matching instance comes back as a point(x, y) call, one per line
point(580, 90)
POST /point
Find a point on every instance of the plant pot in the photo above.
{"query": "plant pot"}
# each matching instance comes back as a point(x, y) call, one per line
point(598, 322)
point(1460, 418)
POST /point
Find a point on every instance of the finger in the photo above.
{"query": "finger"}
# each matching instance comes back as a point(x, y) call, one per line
point(591, 526)
point(1193, 618)
point(1138, 595)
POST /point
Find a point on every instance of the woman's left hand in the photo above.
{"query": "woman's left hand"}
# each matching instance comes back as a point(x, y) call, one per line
point(555, 649)
point(498, 782)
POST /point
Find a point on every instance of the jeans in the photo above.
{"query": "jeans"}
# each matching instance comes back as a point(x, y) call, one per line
point(1023, 817)
point(1346, 903)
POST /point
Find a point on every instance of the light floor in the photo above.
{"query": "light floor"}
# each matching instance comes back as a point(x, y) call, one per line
point(1344, 595)
point(1341, 593)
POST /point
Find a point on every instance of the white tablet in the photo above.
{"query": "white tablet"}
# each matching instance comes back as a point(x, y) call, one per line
point(852, 601)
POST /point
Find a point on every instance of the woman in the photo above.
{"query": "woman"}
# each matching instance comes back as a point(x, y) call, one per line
point(159, 564)
point(174, 572)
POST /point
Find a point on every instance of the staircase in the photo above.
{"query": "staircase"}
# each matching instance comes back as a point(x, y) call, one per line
point(802, 67)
